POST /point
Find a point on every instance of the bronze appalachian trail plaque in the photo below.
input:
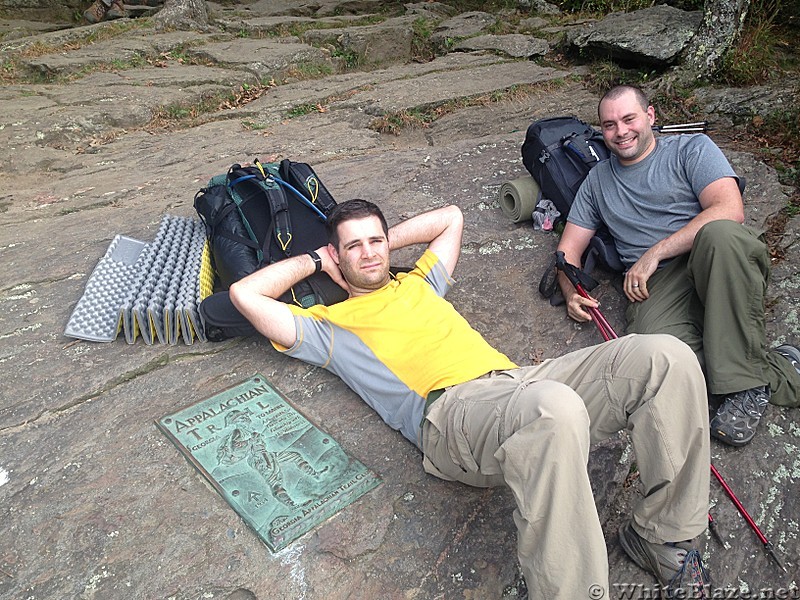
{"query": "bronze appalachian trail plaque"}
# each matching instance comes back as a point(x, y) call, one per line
point(282, 474)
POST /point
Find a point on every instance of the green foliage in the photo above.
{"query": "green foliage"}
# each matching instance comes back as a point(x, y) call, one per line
point(134, 62)
point(308, 70)
point(490, 6)
point(350, 57)
point(603, 6)
point(604, 74)
point(8, 70)
point(177, 111)
point(782, 129)
point(421, 47)
point(753, 60)
point(302, 109)
point(178, 54)
point(254, 126)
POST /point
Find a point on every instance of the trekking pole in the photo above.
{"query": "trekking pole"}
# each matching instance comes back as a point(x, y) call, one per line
point(767, 544)
point(697, 127)
point(574, 276)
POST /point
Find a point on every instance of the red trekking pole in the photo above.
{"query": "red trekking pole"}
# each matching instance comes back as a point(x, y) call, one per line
point(577, 278)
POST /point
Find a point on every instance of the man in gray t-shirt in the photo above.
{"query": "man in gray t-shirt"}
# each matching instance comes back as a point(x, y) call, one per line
point(674, 208)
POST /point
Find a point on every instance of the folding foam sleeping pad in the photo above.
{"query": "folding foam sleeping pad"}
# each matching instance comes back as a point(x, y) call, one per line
point(150, 290)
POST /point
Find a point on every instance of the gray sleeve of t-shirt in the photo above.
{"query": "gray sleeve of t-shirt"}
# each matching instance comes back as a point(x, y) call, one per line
point(704, 162)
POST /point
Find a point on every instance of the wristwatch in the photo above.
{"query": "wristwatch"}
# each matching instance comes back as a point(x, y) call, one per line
point(317, 261)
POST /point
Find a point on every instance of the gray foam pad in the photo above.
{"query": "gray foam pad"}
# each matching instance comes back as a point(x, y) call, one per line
point(150, 290)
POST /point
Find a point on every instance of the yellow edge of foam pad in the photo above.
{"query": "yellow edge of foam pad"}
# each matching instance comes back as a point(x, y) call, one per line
point(206, 272)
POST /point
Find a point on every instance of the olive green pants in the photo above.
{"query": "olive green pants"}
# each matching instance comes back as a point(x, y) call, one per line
point(531, 429)
point(713, 299)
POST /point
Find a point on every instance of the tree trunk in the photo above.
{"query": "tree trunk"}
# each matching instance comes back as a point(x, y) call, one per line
point(722, 23)
point(182, 14)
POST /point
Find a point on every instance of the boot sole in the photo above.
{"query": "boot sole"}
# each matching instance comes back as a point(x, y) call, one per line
point(726, 439)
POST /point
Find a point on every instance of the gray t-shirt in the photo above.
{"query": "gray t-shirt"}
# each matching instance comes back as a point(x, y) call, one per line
point(643, 203)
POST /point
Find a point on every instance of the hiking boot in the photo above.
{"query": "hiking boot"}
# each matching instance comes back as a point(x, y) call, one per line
point(96, 12)
point(117, 10)
point(790, 353)
point(736, 420)
point(677, 566)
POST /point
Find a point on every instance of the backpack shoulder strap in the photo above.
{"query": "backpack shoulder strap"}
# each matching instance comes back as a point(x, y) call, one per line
point(304, 179)
point(281, 227)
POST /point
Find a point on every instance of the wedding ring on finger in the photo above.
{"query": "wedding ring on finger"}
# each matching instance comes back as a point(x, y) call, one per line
point(636, 285)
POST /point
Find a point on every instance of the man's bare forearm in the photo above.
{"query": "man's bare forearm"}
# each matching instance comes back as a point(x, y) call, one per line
point(425, 227)
point(256, 295)
point(274, 280)
point(441, 229)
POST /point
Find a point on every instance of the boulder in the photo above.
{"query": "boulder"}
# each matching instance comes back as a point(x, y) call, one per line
point(654, 36)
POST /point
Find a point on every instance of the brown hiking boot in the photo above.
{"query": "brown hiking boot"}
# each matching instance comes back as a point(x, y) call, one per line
point(96, 12)
point(117, 10)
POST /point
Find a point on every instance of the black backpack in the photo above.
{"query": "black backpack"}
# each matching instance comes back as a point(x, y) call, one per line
point(559, 152)
point(255, 216)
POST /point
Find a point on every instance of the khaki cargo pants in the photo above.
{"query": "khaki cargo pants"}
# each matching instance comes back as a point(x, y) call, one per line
point(531, 429)
point(713, 299)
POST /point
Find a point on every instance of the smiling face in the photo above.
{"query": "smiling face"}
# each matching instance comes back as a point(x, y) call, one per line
point(627, 127)
point(362, 254)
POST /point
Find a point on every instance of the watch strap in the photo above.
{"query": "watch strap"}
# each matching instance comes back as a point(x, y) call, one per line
point(317, 261)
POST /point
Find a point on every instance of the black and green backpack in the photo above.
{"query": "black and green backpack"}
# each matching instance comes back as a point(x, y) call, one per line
point(257, 215)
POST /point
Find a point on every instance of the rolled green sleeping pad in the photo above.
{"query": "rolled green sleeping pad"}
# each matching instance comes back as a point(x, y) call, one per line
point(518, 198)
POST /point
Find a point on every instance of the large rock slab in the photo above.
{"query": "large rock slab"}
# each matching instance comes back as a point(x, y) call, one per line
point(39, 10)
point(368, 46)
point(266, 59)
point(653, 35)
point(81, 480)
point(101, 103)
point(244, 21)
point(739, 106)
point(435, 88)
point(346, 90)
point(464, 25)
point(17, 28)
point(515, 45)
point(127, 50)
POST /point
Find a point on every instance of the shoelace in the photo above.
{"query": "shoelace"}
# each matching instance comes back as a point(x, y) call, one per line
point(692, 574)
point(748, 403)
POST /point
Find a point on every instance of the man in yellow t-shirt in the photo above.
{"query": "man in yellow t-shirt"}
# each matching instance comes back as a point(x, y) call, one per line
point(480, 419)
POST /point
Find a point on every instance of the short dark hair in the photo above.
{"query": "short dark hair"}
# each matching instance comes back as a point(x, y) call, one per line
point(348, 211)
point(618, 90)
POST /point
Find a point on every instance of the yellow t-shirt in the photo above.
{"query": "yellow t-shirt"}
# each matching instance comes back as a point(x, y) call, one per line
point(396, 344)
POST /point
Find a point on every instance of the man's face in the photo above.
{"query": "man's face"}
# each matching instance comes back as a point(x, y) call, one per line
point(363, 254)
point(627, 128)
